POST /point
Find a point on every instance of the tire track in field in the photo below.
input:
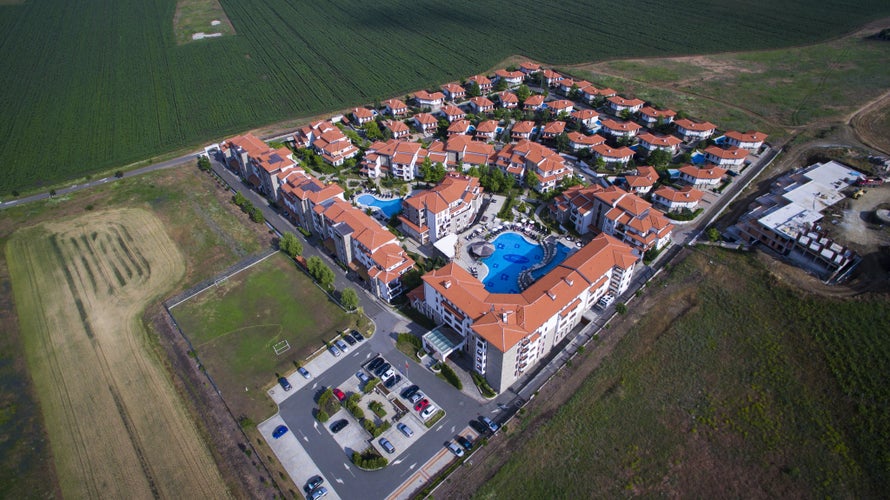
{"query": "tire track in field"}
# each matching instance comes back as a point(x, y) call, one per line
point(60, 387)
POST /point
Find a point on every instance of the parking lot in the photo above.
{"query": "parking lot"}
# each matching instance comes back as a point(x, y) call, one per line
point(310, 448)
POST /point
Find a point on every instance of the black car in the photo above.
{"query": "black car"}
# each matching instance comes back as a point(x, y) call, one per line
point(339, 425)
point(314, 482)
point(382, 369)
point(284, 383)
point(407, 393)
point(375, 364)
point(349, 340)
point(391, 381)
point(357, 336)
point(466, 443)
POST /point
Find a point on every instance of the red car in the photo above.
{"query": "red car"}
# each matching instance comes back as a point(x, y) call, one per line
point(340, 395)
point(423, 403)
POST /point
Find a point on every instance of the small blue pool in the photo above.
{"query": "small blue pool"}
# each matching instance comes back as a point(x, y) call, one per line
point(512, 255)
point(721, 140)
point(390, 207)
point(698, 158)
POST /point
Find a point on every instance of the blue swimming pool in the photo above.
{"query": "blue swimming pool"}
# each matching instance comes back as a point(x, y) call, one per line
point(698, 158)
point(390, 207)
point(512, 255)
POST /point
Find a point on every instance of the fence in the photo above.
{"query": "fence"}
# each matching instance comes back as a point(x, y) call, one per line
point(236, 268)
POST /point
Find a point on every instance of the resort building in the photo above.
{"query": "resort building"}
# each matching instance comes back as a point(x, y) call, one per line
point(615, 212)
point(327, 140)
point(361, 116)
point(641, 182)
point(431, 100)
point(398, 158)
point(453, 91)
point(609, 154)
point(425, 123)
point(481, 105)
point(512, 78)
point(484, 83)
point(690, 130)
point(395, 107)
point(257, 163)
point(751, 140)
point(579, 141)
point(300, 193)
point(462, 151)
point(428, 216)
point(618, 128)
point(587, 118)
point(701, 177)
point(550, 77)
point(487, 130)
point(553, 129)
point(522, 130)
point(506, 334)
point(452, 113)
point(652, 117)
point(396, 128)
point(561, 106)
point(533, 103)
point(652, 142)
point(618, 104)
point(732, 158)
point(363, 245)
point(507, 100)
point(788, 219)
point(526, 156)
point(460, 127)
point(675, 200)
point(529, 68)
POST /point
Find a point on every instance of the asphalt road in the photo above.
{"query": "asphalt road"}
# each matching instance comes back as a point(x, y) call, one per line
point(175, 162)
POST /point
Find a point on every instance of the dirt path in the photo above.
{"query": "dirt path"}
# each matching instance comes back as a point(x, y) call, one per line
point(864, 123)
point(116, 425)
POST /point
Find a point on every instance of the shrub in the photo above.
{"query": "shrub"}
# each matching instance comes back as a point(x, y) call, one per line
point(375, 430)
point(328, 403)
point(483, 386)
point(321, 416)
point(349, 299)
point(451, 377)
point(620, 308)
point(369, 459)
point(290, 245)
point(370, 385)
point(377, 408)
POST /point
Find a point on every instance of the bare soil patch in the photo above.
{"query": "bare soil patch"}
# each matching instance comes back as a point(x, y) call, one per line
point(115, 423)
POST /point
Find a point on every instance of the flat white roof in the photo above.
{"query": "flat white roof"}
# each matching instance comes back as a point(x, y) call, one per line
point(814, 195)
point(790, 220)
point(446, 245)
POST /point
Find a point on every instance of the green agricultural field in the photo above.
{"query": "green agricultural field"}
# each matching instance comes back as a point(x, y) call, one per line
point(731, 385)
point(234, 325)
point(89, 89)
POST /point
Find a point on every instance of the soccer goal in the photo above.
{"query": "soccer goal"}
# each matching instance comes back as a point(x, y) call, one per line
point(281, 347)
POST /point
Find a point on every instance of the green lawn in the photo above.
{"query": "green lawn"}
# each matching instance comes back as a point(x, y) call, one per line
point(766, 90)
point(733, 386)
point(233, 327)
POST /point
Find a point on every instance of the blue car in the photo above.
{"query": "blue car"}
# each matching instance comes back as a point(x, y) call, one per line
point(279, 431)
point(284, 384)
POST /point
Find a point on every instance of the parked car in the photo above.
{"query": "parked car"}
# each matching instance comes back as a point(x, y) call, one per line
point(304, 372)
point(454, 449)
point(387, 445)
point(339, 425)
point(279, 431)
point(314, 482)
point(488, 423)
point(334, 350)
point(417, 396)
point(340, 395)
point(388, 373)
point(317, 493)
point(357, 336)
point(409, 391)
point(349, 340)
point(382, 369)
point(429, 411)
point(391, 381)
point(466, 443)
point(404, 429)
point(342, 345)
point(364, 379)
point(375, 364)
point(423, 403)
point(284, 383)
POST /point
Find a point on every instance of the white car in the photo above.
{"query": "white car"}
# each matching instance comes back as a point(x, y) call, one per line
point(417, 396)
point(457, 450)
point(429, 411)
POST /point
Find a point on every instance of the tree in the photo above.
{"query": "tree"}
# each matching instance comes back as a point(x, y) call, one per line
point(322, 273)
point(372, 131)
point(290, 245)
point(532, 180)
point(713, 234)
point(349, 299)
point(475, 90)
point(501, 85)
point(523, 93)
point(659, 158)
point(562, 142)
point(204, 163)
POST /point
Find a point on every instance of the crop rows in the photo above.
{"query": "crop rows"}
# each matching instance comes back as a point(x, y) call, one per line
point(87, 89)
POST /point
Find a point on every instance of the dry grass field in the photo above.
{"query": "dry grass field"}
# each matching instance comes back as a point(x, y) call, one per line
point(116, 426)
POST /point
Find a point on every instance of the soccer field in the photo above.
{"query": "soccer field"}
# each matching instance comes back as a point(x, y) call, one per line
point(234, 326)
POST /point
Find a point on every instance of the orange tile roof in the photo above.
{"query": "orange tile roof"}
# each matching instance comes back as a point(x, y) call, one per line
point(620, 125)
point(661, 140)
point(555, 128)
point(488, 126)
point(534, 100)
point(530, 66)
point(523, 127)
point(482, 102)
point(459, 127)
point(749, 136)
point(657, 113)
point(587, 140)
point(685, 194)
point(426, 119)
point(480, 79)
point(503, 73)
point(608, 151)
point(703, 173)
point(621, 101)
point(453, 88)
point(362, 113)
point(560, 104)
point(423, 95)
point(731, 153)
point(394, 104)
point(451, 110)
point(584, 114)
point(695, 126)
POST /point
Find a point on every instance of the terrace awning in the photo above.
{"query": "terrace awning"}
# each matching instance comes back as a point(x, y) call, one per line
point(482, 249)
point(442, 341)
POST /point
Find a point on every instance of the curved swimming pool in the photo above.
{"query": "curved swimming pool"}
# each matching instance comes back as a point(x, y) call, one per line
point(512, 255)
point(390, 207)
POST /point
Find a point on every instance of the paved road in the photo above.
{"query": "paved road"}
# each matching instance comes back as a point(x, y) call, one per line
point(175, 162)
